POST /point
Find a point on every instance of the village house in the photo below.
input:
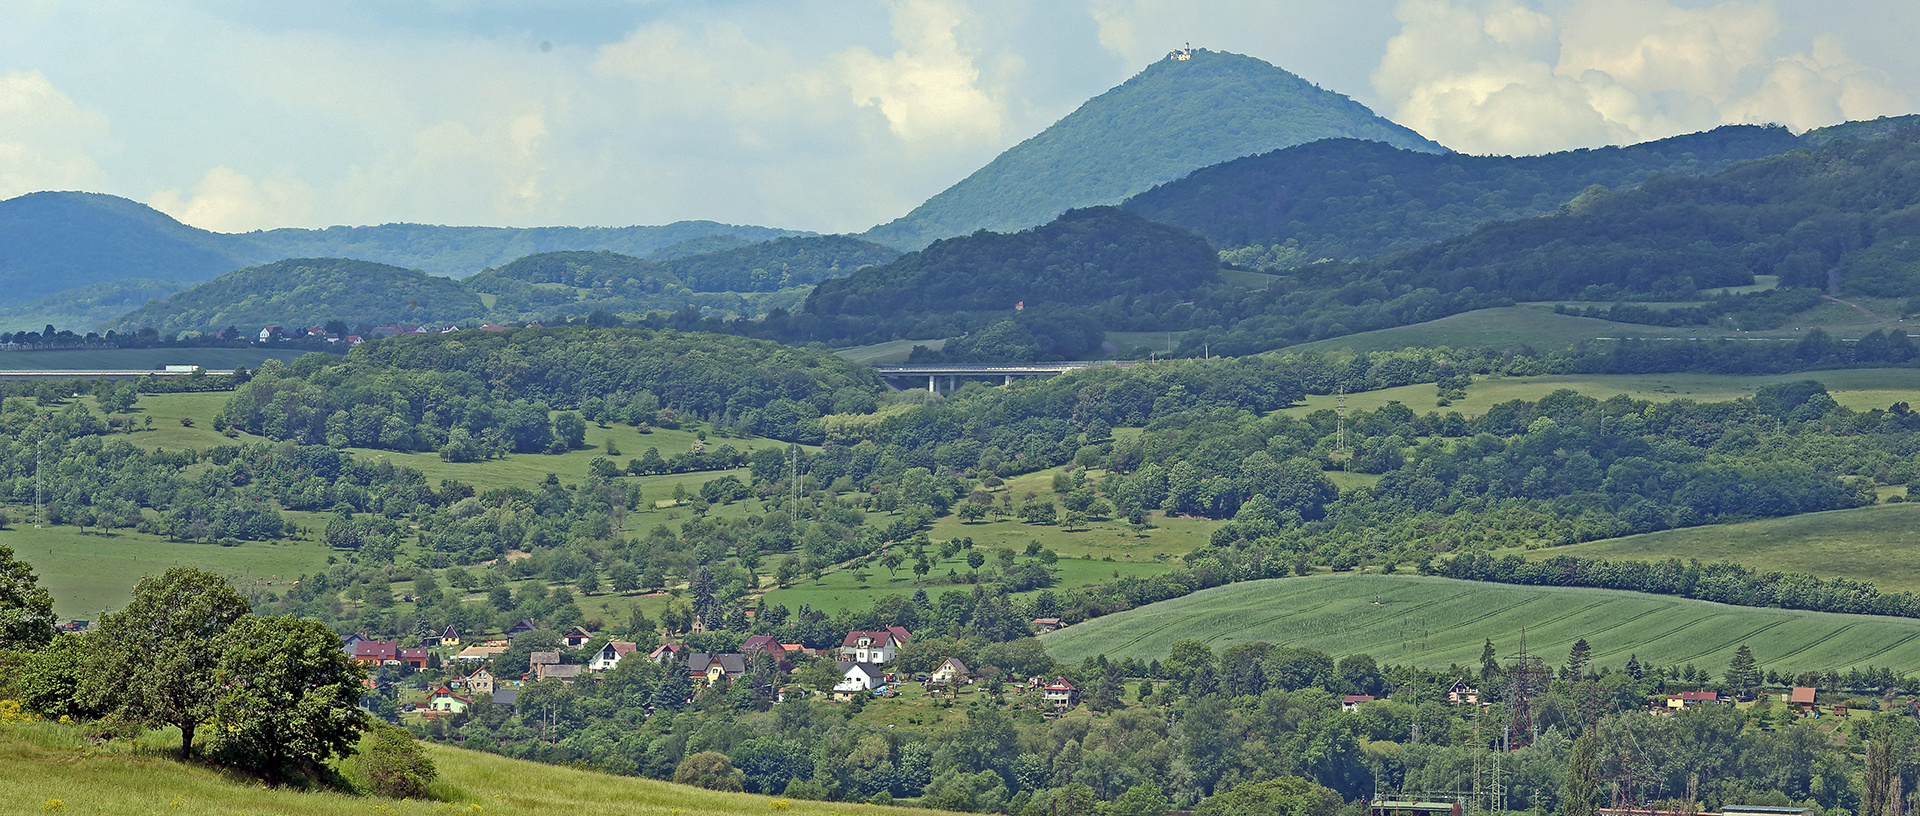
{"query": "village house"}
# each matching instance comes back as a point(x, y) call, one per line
point(609, 655)
point(1462, 694)
point(1801, 699)
point(668, 651)
point(447, 701)
point(1042, 626)
point(1352, 702)
point(713, 668)
point(509, 697)
point(539, 659)
point(575, 637)
point(858, 677)
point(1062, 694)
point(873, 647)
point(1691, 698)
point(375, 652)
point(480, 652)
point(414, 658)
point(447, 639)
point(524, 626)
point(480, 682)
point(951, 672)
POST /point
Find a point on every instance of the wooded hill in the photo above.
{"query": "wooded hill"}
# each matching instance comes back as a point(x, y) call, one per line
point(1175, 116)
point(309, 292)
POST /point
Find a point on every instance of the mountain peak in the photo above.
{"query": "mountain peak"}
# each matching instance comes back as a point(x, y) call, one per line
point(1175, 116)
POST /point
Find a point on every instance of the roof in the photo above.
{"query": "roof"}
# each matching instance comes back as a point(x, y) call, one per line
point(870, 669)
point(730, 662)
point(1061, 684)
point(506, 697)
point(559, 672)
point(443, 692)
point(621, 647)
point(1802, 694)
point(382, 649)
point(543, 658)
point(1357, 698)
point(1047, 621)
point(578, 631)
point(451, 632)
point(1698, 696)
point(666, 649)
point(895, 635)
point(956, 664)
point(525, 625)
point(759, 643)
point(414, 653)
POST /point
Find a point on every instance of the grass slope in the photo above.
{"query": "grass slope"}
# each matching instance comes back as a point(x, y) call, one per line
point(138, 359)
point(1537, 326)
point(1857, 388)
point(40, 762)
point(1437, 622)
point(91, 572)
point(1879, 544)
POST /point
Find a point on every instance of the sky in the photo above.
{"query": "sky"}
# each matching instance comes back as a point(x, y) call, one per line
point(235, 115)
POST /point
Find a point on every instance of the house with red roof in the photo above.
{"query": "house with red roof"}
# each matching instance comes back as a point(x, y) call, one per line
point(1062, 694)
point(879, 646)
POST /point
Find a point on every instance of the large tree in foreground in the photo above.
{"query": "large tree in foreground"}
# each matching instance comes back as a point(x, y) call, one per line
point(156, 661)
point(26, 609)
point(288, 696)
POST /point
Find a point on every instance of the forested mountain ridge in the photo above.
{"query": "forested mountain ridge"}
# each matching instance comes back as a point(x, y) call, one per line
point(1845, 216)
point(1346, 199)
point(308, 292)
point(456, 251)
point(781, 263)
point(1175, 116)
point(1096, 257)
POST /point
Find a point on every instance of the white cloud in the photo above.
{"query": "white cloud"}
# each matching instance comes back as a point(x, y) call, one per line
point(1502, 76)
point(227, 201)
point(929, 89)
point(46, 139)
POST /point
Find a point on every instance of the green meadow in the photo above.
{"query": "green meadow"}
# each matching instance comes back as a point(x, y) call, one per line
point(217, 359)
point(53, 768)
point(1857, 388)
point(1439, 622)
point(90, 572)
point(1879, 544)
point(1536, 325)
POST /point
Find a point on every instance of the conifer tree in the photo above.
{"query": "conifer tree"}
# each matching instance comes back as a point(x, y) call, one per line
point(1743, 672)
point(1583, 776)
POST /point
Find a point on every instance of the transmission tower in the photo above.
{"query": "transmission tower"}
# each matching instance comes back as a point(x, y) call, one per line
point(1626, 770)
point(1340, 409)
point(1526, 677)
point(40, 480)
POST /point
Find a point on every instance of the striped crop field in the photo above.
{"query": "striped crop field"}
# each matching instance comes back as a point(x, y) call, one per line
point(1436, 622)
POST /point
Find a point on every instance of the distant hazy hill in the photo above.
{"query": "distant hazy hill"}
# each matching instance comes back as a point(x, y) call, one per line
point(779, 264)
point(55, 241)
point(51, 242)
point(1170, 119)
point(306, 292)
point(460, 251)
point(82, 308)
point(1346, 199)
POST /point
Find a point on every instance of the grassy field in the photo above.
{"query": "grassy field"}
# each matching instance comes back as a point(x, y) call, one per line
point(91, 572)
point(1536, 325)
point(1860, 389)
point(41, 762)
point(1880, 544)
point(1437, 622)
point(218, 359)
point(889, 353)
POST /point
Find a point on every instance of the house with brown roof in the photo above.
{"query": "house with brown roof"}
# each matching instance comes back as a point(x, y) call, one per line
point(879, 646)
point(413, 658)
point(1061, 693)
point(951, 672)
point(375, 652)
point(609, 655)
point(575, 637)
point(1691, 698)
point(524, 626)
point(1352, 702)
point(668, 651)
point(1042, 626)
point(538, 659)
point(1801, 698)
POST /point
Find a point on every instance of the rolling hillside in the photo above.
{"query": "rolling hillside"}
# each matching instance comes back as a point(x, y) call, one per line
point(1170, 119)
point(41, 763)
point(309, 292)
point(51, 242)
point(1437, 622)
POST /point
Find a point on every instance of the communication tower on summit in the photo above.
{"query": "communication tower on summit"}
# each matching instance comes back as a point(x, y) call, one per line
point(1181, 54)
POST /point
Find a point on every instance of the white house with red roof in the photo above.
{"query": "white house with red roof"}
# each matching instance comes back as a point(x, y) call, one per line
point(609, 656)
point(879, 646)
point(1062, 693)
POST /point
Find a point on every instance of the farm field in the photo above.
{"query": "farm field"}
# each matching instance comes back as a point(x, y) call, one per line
point(1879, 544)
point(91, 572)
point(889, 353)
point(141, 359)
point(1537, 326)
point(1858, 388)
point(45, 761)
point(1437, 622)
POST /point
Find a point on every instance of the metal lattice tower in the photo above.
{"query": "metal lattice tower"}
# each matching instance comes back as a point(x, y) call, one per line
point(1526, 677)
point(1340, 408)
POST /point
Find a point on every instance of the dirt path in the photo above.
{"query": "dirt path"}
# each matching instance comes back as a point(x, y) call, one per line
point(1863, 310)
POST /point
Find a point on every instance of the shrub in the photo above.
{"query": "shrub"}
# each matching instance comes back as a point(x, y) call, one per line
point(398, 765)
point(711, 770)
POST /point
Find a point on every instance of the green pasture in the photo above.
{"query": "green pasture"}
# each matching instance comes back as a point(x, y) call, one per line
point(154, 359)
point(1438, 622)
point(95, 571)
point(43, 762)
point(891, 352)
point(1537, 326)
point(1879, 544)
point(1858, 388)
